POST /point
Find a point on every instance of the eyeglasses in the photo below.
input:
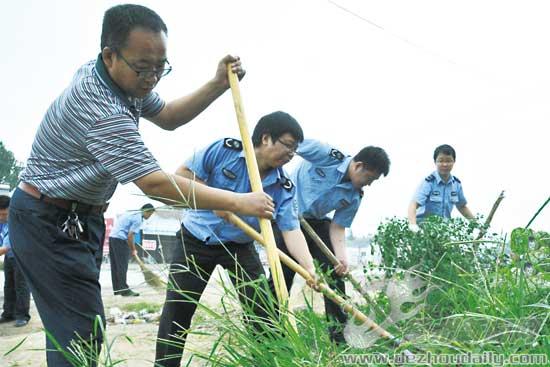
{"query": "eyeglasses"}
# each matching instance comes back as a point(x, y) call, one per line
point(148, 73)
point(290, 147)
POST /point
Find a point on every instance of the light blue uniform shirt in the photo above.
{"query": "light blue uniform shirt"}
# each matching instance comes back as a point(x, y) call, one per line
point(126, 223)
point(436, 197)
point(5, 239)
point(320, 189)
point(222, 165)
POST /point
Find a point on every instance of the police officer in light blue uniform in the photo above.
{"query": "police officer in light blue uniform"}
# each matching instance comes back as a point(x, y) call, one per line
point(122, 246)
point(207, 240)
point(440, 192)
point(328, 181)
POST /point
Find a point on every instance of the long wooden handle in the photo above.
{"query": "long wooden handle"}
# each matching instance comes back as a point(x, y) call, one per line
point(256, 184)
point(334, 261)
point(323, 288)
point(490, 216)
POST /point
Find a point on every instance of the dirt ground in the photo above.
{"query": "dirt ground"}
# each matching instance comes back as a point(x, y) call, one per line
point(140, 352)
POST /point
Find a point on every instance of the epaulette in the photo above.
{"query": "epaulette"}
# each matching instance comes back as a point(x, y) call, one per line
point(286, 183)
point(361, 193)
point(430, 178)
point(234, 144)
point(335, 153)
point(456, 179)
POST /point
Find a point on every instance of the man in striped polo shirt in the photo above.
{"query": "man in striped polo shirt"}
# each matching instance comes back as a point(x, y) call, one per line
point(86, 144)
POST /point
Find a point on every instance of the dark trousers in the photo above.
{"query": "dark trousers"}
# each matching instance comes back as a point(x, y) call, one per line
point(16, 293)
point(61, 272)
point(119, 255)
point(190, 270)
point(334, 313)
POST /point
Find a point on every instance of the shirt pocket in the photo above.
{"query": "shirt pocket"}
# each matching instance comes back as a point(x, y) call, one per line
point(225, 180)
point(454, 197)
point(436, 198)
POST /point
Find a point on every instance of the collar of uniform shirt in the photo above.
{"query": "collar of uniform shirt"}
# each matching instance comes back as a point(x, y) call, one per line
point(271, 178)
point(105, 78)
point(440, 180)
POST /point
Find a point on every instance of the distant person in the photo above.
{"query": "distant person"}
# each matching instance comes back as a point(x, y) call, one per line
point(88, 142)
point(439, 192)
point(122, 247)
point(16, 293)
point(207, 240)
point(328, 181)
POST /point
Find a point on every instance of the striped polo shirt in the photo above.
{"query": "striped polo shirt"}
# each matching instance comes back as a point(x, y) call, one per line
point(89, 141)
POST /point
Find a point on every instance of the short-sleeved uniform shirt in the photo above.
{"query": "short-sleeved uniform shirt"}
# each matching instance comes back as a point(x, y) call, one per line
point(223, 165)
point(5, 239)
point(321, 185)
point(88, 140)
point(437, 197)
point(126, 223)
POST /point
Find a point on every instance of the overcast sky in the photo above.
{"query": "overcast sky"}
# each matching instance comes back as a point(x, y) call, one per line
point(403, 75)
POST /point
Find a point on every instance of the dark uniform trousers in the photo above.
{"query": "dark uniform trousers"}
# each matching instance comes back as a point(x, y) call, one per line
point(334, 313)
point(119, 255)
point(17, 297)
point(191, 267)
point(61, 272)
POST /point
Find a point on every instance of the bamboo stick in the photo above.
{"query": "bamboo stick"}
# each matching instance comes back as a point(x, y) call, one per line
point(323, 288)
point(256, 184)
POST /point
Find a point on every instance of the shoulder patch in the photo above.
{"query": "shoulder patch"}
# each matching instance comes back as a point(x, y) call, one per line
point(335, 153)
point(430, 178)
point(456, 179)
point(234, 144)
point(286, 183)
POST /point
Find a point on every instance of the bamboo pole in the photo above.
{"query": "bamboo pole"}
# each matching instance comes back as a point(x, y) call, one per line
point(490, 216)
point(335, 262)
point(256, 184)
point(323, 288)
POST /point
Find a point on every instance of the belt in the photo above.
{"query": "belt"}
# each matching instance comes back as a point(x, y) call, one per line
point(65, 204)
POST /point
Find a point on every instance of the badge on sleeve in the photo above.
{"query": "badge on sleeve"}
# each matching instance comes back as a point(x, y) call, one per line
point(344, 203)
point(335, 153)
point(286, 183)
point(233, 144)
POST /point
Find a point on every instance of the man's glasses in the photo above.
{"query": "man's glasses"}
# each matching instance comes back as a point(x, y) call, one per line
point(290, 147)
point(148, 73)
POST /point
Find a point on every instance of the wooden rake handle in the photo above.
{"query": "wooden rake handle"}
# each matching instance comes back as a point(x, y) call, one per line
point(256, 184)
point(323, 288)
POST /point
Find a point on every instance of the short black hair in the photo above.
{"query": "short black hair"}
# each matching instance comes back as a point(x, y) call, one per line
point(275, 125)
point(147, 208)
point(120, 20)
point(374, 158)
point(4, 201)
point(444, 149)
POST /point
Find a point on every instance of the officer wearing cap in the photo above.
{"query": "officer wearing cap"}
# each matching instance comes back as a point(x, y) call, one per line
point(206, 240)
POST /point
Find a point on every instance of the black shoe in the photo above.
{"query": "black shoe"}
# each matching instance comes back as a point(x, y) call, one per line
point(5, 319)
point(21, 323)
point(129, 293)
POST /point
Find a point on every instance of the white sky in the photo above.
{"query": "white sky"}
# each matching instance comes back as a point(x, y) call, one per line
point(473, 74)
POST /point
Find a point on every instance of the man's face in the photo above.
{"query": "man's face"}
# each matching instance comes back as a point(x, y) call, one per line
point(4, 215)
point(147, 214)
point(280, 151)
point(144, 51)
point(444, 164)
point(361, 176)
